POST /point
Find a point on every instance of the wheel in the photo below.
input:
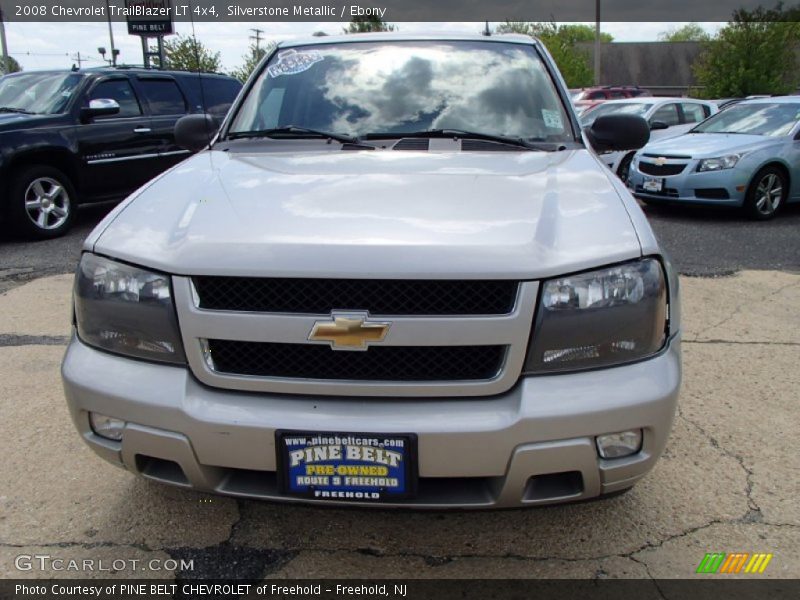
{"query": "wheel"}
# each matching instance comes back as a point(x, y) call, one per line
point(766, 194)
point(624, 168)
point(41, 202)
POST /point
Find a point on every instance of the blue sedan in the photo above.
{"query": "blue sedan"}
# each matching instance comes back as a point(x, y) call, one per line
point(747, 155)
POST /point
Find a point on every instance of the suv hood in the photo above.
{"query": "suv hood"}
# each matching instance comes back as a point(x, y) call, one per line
point(374, 214)
point(706, 145)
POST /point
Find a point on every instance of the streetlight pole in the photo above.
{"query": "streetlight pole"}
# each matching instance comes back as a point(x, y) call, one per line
point(111, 36)
point(6, 62)
point(597, 42)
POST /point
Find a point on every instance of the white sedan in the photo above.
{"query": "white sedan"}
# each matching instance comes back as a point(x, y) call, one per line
point(668, 117)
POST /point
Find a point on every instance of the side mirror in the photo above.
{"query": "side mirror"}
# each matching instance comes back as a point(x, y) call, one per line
point(99, 107)
point(610, 133)
point(194, 132)
point(658, 125)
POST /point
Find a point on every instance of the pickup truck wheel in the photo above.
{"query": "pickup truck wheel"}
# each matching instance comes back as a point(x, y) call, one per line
point(41, 202)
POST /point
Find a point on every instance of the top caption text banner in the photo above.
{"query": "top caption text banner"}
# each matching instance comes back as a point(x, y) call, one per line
point(388, 10)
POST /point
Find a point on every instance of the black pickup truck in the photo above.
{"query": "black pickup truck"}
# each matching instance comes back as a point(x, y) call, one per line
point(70, 137)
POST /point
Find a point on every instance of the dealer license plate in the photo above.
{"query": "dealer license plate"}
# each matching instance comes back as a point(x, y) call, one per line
point(361, 467)
point(653, 185)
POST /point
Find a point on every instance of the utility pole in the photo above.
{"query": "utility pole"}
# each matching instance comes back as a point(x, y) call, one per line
point(77, 58)
point(257, 38)
point(597, 42)
point(114, 52)
point(6, 65)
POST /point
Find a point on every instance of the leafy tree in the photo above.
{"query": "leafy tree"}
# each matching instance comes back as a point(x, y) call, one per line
point(753, 54)
point(561, 42)
point(187, 53)
point(367, 24)
point(583, 33)
point(13, 66)
point(691, 32)
point(251, 60)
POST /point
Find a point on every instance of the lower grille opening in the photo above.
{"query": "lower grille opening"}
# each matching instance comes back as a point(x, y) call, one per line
point(554, 485)
point(430, 490)
point(161, 469)
point(712, 193)
point(378, 363)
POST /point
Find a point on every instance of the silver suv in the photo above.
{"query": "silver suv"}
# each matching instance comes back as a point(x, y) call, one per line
point(398, 275)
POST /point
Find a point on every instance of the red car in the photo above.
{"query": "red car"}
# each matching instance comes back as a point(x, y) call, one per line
point(586, 98)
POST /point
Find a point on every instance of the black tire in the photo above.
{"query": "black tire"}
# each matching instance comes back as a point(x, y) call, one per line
point(766, 194)
point(624, 168)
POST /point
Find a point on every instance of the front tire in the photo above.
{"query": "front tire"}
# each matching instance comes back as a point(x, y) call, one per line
point(624, 168)
point(41, 202)
point(767, 194)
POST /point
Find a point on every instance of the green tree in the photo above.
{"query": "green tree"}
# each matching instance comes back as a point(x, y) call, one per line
point(691, 32)
point(251, 60)
point(187, 53)
point(753, 54)
point(583, 33)
point(561, 41)
point(13, 66)
point(368, 24)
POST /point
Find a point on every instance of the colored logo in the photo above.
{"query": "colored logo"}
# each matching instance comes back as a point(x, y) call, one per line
point(737, 562)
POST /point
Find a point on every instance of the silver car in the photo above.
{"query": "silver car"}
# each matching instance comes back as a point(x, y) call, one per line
point(667, 117)
point(398, 275)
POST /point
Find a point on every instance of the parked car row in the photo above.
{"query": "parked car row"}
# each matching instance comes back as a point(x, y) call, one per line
point(68, 137)
point(748, 155)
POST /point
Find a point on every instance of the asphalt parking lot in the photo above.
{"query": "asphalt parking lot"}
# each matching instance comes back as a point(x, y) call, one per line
point(727, 483)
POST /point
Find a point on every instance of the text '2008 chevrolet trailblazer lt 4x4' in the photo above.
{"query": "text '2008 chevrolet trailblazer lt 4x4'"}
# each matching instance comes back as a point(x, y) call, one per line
point(398, 275)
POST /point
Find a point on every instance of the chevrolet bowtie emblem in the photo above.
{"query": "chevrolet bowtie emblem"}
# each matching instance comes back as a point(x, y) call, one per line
point(351, 332)
point(660, 161)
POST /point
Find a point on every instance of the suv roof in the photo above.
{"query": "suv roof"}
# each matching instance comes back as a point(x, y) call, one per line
point(124, 69)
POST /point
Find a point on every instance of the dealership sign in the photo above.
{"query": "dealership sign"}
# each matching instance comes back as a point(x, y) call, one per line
point(148, 17)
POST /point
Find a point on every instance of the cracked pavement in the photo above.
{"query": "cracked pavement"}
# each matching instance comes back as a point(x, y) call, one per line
point(726, 483)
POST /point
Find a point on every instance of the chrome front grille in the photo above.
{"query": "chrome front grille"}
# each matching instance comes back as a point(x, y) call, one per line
point(469, 338)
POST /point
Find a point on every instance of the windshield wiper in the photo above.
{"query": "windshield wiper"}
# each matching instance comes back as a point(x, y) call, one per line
point(456, 133)
point(292, 131)
point(12, 109)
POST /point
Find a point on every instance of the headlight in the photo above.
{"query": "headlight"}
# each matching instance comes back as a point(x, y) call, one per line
point(126, 310)
point(598, 319)
point(717, 164)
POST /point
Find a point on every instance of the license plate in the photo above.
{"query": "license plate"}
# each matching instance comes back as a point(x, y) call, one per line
point(653, 185)
point(360, 467)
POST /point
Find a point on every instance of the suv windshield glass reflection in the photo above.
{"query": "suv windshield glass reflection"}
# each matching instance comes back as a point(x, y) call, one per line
point(40, 93)
point(403, 87)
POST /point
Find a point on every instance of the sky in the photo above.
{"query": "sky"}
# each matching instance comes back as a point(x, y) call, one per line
point(55, 45)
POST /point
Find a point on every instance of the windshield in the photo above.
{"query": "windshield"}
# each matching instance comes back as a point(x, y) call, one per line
point(41, 93)
point(623, 108)
point(404, 87)
point(762, 118)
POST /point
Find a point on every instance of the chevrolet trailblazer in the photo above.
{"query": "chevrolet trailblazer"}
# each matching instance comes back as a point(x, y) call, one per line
point(398, 274)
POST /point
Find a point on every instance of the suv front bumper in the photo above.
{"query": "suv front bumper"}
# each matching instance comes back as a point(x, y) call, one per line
point(534, 444)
